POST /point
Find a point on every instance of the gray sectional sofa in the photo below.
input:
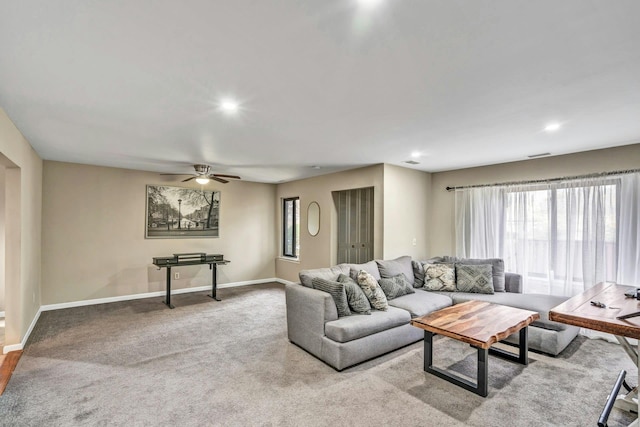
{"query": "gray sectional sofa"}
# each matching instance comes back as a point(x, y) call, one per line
point(314, 325)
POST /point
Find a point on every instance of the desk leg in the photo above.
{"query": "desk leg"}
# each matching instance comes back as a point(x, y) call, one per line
point(214, 281)
point(167, 299)
point(629, 402)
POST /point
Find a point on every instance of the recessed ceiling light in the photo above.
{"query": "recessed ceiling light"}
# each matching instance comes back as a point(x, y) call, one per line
point(316, 167)
point(229, 106)
point(415, 154)
point(552, 127)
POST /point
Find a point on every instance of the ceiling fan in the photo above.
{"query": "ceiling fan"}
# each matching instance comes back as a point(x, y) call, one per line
point(203, 175)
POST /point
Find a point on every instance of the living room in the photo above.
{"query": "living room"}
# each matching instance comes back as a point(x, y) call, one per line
point(74, 230)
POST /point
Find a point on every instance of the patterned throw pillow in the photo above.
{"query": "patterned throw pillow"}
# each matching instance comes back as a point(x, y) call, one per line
point(373, 291)
point(440, 277)
point(474, 278)
point(336, 290)
point(396, 286)
point(358, 302)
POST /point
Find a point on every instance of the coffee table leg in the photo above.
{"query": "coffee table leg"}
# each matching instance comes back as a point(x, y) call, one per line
point(523, 350)
point(428, 350)
point(481, 387)
point(483, 372)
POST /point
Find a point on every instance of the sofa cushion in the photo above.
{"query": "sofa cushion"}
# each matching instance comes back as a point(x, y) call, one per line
point(370, 267)
point(440, 277)
point(372, 290)
point(357, 326)
point(395, 287)
point(418, 270)
point(337, 292)
point(474, 278)
point(421, 302)
point(331, 273)
point(391, 268)
point(496, 263)
point(535, 302)
point(358, 302)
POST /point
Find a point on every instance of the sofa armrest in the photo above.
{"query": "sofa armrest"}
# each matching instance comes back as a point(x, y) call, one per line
point(307, 312)
point(513, 283)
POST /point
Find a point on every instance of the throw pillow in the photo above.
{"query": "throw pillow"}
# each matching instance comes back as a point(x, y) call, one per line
point(498, 269)
point(370, 267)
point(337, 292)
point(373, 291)
point(418, 270)
point(358, 302)
point(395, 287)
point(440, 277)
point(474, 278)
point(391, 268)
point(330, 273)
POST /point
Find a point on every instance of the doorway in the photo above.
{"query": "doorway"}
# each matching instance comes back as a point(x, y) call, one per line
point(355, 225)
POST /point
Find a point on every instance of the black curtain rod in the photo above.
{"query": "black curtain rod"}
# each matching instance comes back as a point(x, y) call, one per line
point(542, 181)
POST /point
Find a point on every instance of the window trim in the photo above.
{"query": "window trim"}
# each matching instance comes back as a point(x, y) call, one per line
point(285, 200)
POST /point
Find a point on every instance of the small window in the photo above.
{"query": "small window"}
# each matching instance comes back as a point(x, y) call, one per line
point(291, 227)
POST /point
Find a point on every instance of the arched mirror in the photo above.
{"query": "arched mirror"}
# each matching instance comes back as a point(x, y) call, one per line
point(313, 218)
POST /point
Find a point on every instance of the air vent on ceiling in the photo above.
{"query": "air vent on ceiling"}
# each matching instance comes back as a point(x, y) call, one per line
point(411, 162)
point(533, 156)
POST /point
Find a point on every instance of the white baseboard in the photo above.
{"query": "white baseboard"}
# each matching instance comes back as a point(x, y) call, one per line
point(107, 300)
point(59, 306)
point(14, 347)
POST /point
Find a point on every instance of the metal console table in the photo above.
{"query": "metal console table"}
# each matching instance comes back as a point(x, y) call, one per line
point(191, 258)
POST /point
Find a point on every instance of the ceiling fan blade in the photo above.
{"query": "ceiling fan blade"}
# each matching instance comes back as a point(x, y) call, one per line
point(175, 174)
point(215, 178)
point(189, 179)
point(226, 176)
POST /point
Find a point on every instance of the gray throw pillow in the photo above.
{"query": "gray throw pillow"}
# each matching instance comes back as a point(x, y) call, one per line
point(474, 278)
point(330, 273)
point(395, 287)
point(440, 277)
point(391, 268)
point(337, 292)
point(370, 267)
point(497, 264)
point(373, 291)
point(358, 302)
point(418, 270)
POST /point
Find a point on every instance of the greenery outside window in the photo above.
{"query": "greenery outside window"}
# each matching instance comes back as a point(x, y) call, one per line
point(291, 227)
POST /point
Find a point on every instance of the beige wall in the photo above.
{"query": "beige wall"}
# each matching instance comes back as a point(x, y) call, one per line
point(442, 205)
point(406, 212)
point(320, 251)
point(23, 226)
point(93, 236)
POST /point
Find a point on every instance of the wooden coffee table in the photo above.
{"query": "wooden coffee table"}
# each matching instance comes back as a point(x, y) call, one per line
point(480, 324)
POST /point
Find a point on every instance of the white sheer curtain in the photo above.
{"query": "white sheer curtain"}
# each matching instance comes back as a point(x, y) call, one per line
point(629, 230)
point(561, 237)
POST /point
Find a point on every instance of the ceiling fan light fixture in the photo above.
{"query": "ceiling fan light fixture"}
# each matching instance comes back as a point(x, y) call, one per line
point(202, 180)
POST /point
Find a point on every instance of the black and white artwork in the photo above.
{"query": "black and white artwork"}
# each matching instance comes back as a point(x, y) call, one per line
point(175, 212)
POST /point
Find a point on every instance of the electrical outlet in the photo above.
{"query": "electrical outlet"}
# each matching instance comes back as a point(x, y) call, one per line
point(176, 275)
point(415, 241)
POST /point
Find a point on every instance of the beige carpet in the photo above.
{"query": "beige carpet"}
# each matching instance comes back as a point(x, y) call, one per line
point(138, 363)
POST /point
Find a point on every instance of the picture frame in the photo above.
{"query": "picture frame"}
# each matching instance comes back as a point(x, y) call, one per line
point(181, 213)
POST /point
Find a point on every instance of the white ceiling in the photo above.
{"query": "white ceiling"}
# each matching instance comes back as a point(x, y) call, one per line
point(136, 83)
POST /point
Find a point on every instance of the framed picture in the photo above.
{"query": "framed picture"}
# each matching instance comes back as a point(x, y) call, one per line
point(175, 212)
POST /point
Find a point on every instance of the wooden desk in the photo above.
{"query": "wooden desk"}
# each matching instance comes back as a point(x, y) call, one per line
point(578, 311)
point(480, 324)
